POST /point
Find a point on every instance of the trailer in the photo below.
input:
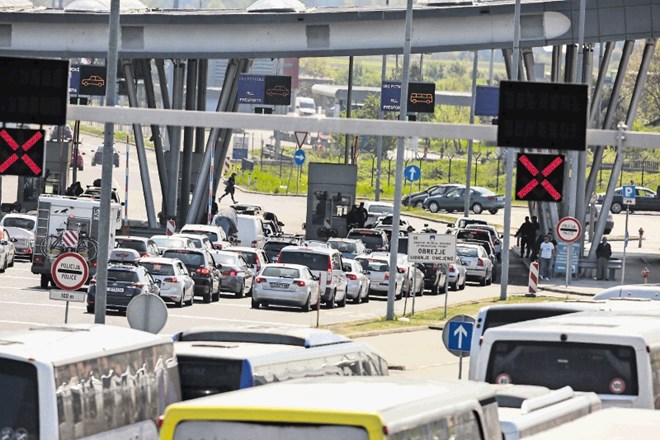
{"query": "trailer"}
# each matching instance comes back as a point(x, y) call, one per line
point(69, 224)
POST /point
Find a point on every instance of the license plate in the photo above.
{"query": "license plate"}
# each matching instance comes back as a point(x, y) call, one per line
point(279, 285)
point(115, 289)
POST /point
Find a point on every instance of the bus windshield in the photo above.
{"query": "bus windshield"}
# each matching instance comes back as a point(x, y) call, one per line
point(19, 409)
point(198, 430)
point(201, 377)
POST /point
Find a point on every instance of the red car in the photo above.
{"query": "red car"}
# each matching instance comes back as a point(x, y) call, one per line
point(77, 162)
point(98, 157)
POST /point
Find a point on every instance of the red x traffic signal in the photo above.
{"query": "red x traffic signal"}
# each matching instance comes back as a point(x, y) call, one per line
point(21, 152)
point(540, 177)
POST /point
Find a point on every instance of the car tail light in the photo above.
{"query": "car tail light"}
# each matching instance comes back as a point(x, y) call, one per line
point(170, 280)
point(387, 275)
point(230, 273)
point(491, 198)
point(300, 283)
point(38, 259)
point(329, 277)
point(144, 254)
point(217, 246)
point(258, 267)
point(138, 285)
point(480, 262)
point(202, 271)
point(452, 268)
point(92, 281)
point(159, 422)
point(351, 276)
point(260, 280)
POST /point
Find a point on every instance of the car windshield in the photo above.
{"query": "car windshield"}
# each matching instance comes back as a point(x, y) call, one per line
point(310, 259)
point(124, 276)
point(19, 379)
point(484, 191)
point(18, 222)
point(343, 246)
point(210, 234)
point(381, 209)
point(249, 257)
point(169, 242)
point(158, 268)
point(374, 265)
point(467, 251)
point(230, 260)
point(372, 241)
point(281, 272)
point(139, 246)
point(190, 259)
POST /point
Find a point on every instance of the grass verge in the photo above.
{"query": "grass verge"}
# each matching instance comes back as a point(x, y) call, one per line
point(428, 318)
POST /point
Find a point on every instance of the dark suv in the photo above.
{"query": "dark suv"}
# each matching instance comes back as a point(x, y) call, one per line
point(97, 159)
point(203, 271)
point(374, 239)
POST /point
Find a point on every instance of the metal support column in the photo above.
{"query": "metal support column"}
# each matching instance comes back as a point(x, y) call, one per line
point(175, 143)
point(468, 165)
point(127, 67)
point(528, 62)
point(202, 82)
point(581, 201)
point(379, 142)
point(556, 64)
point(164, 95)
point(155, 131)
point(506, 54)
point(188, 138)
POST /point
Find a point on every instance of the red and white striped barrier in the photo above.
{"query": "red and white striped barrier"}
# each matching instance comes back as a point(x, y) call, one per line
point(533, 278)
point(70, 238)
point(170, 229)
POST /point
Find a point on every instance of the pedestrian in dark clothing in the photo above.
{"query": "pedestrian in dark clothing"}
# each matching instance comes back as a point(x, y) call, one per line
point(77, 189)
point(230, 187)
point(521, 235)
point(603, 253)
point(532, 239)
point(353, 217)
point(363, 215)
point(97, 182)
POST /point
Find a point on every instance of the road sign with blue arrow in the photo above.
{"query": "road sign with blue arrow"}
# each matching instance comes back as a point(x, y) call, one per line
point(457, 335)
point(299, 157)
point(412, 173)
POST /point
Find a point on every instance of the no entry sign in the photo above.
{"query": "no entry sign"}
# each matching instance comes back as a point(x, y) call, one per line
point(69, 271)
point(569, 229)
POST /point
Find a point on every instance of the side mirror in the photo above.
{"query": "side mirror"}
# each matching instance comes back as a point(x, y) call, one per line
point(280, 223)
point(367, 272)
point(158, 282)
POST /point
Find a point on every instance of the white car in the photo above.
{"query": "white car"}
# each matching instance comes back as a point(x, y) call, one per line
point(478, 264)
point(630, 291)
point(357, 289)
point(176, 284)
point(456, 274)
point(286, 285)
point(215, 233)
point(378, 272)
point(23, 221)
point(413, 277)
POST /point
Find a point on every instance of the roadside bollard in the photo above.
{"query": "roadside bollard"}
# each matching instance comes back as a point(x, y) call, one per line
point(645, 274)
point(641, 233)
point(533, 278)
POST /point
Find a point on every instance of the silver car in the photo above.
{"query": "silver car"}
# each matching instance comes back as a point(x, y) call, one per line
point(23, 241)
point(176, 284)
point(378, 271)
point(456, 274)
point(237, 277)
point(478, 264)
point(172, 242)
point(413, 278)
point(357, 289)
point(287, 285)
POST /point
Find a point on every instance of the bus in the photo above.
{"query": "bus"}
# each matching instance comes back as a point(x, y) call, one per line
point(347, 408)
point(613, 354)
point(212, 367)
point(263, 333)
point(85, 381)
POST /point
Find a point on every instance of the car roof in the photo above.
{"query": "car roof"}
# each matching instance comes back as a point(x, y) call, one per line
point(132, 237)
point(287, 265)
point(159, 260)
point(242, 249)
point(186, 250)
point(318, 250)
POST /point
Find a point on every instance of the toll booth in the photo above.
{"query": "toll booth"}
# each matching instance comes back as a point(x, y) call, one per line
point(330, 196)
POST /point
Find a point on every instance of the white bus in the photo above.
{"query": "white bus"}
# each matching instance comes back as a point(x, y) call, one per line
point(614, 354)
point(85, 382)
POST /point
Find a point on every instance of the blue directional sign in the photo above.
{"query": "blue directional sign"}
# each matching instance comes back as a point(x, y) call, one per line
point(457, 335)
point(412, 173)
point(299, 157)
point(628, 193)
point(390, 96)
point(251, 89)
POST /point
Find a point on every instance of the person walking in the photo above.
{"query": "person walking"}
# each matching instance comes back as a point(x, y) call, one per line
point(363, 215)
point(532, 248)
point(547, 252)
point(521, 235)
point(603, 253)
point(230, 187)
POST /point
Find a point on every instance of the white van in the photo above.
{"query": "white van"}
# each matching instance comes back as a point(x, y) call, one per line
point(305, 106)
point(250, 231)
point(614, 354)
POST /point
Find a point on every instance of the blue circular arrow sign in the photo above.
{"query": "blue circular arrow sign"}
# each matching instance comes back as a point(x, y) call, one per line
point(299, 157)
point(412, 173)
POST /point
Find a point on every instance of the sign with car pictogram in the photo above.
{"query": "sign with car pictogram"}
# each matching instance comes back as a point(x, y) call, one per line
point(277, 90)
point(21, 152)
point(92, 80)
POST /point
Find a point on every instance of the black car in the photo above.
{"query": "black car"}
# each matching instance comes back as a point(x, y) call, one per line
point(126, 280)
point(374, 239)
point(203, 271)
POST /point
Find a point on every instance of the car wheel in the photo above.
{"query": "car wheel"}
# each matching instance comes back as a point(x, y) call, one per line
point(400, 295)
point(216, 296)
point(616, 208)
point(307, 306)
point(342, 303)
point(254, 303)
point(44, 281)
point(462, 286)
point(477, 208)
point(454, 286)
point(182, 302)
point(434, 207)
point(419, 205)
point(493, 211)
point(356, 300)
point(493, 276)
point(435, 288)
point(241, 291)
point(4, 266)
point(330, 304)
point(90, 308)
point(11, 263)
point(191, 300)
point(207, 298)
